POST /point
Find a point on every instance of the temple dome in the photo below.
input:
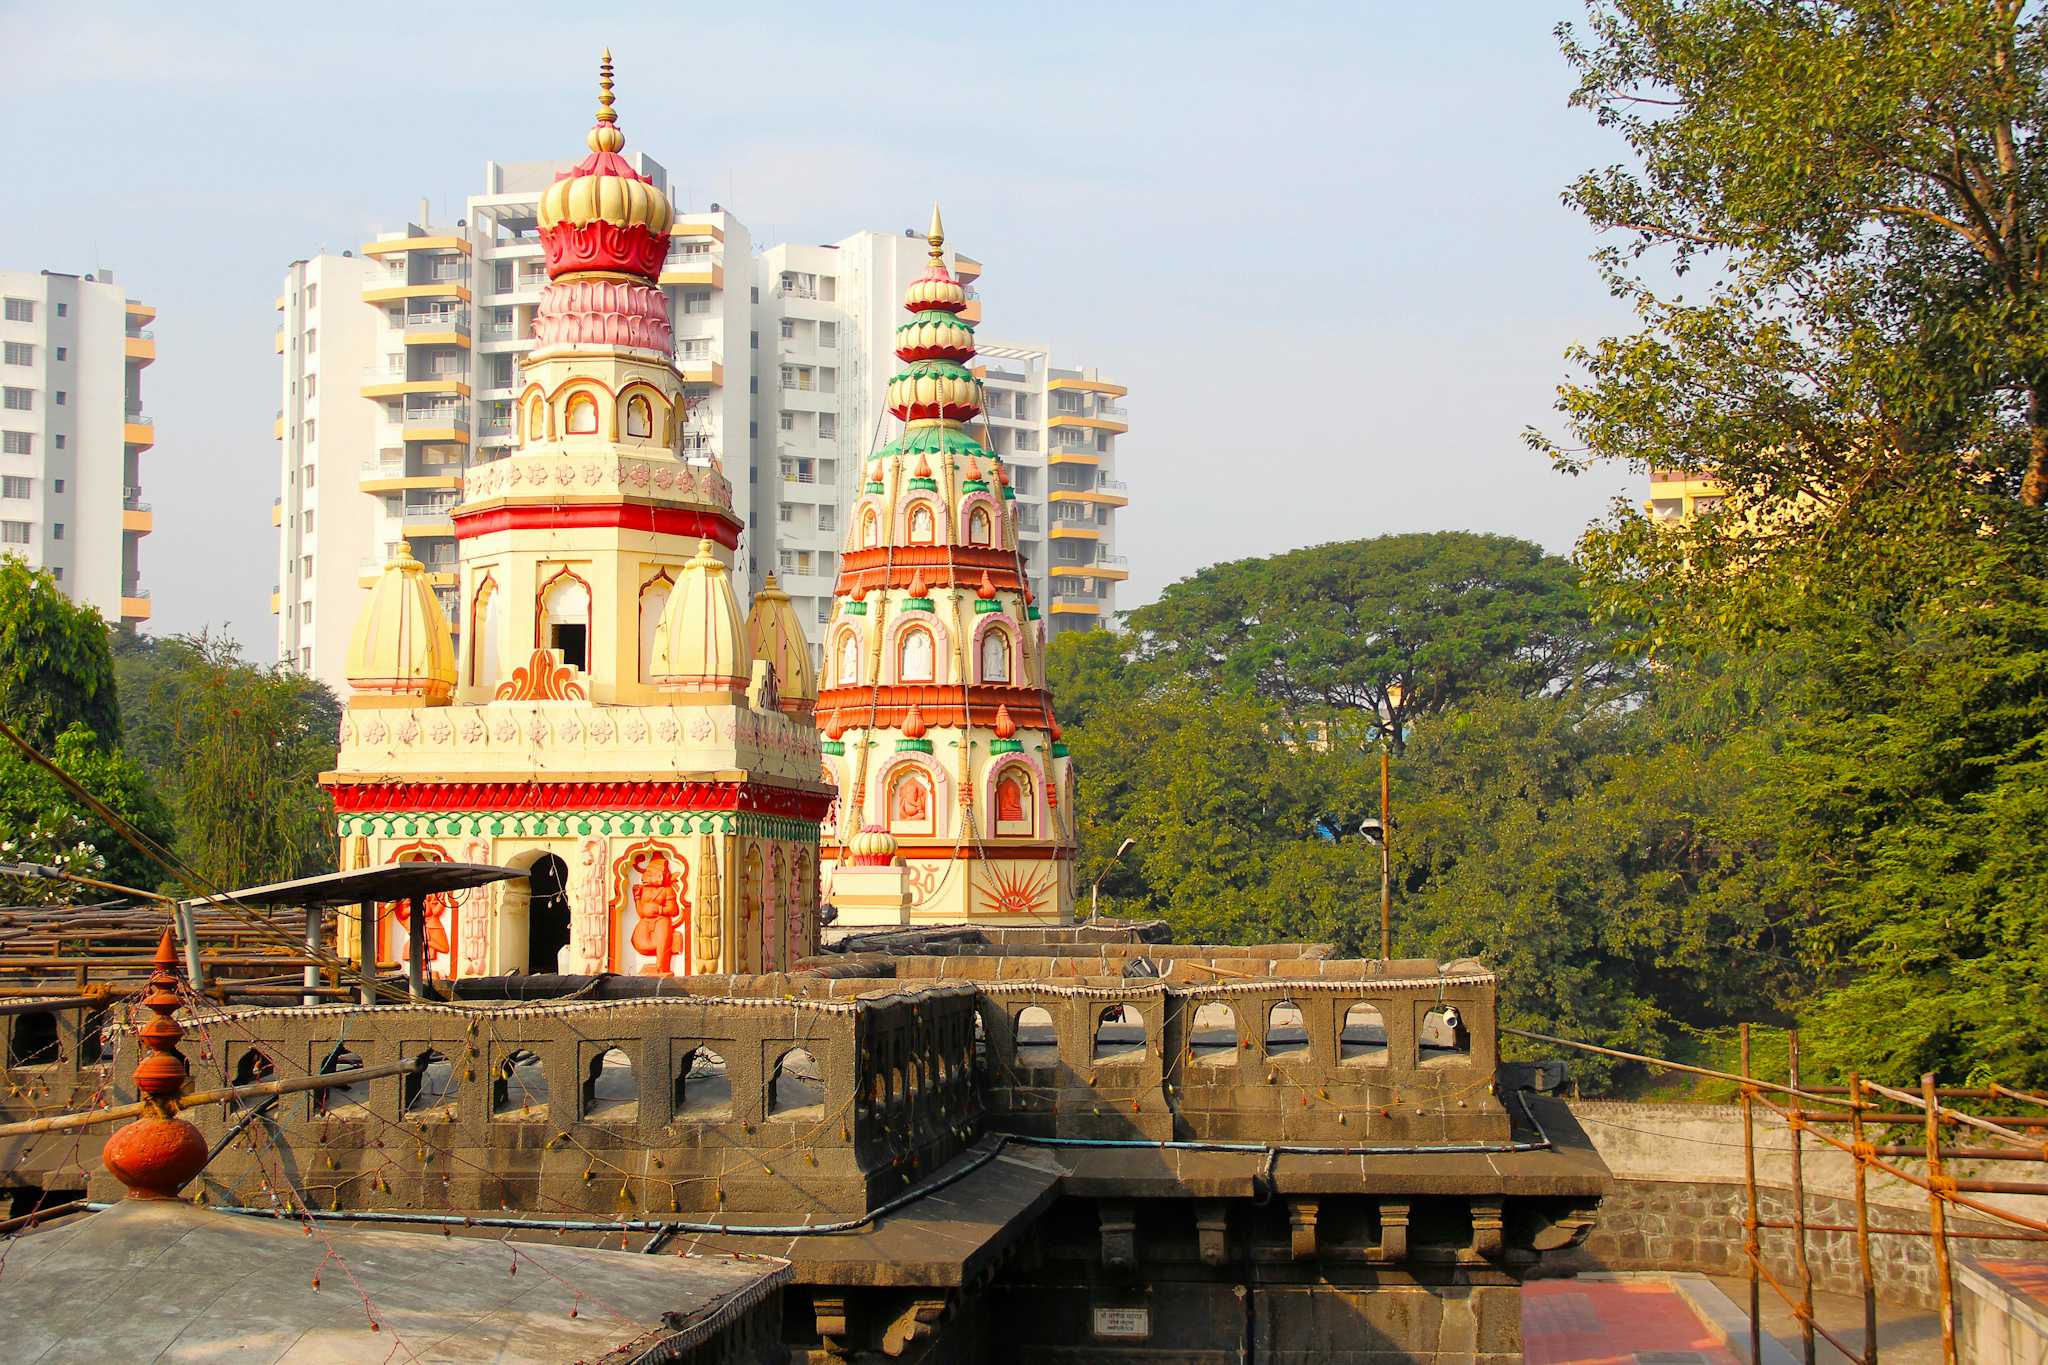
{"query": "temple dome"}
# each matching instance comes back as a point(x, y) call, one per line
point(699, 645)
point(774, 633)
point(603, 215)
point(402, 647)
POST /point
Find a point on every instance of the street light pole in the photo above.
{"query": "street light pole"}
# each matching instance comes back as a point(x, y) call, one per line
point(1386, 857)
point(1095, 890)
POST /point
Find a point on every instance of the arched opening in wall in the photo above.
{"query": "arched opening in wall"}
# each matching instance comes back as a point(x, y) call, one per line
point(431, 1089)
point(980, 527)
point(639, 418)
point(910, 803)
point(702, 1089)
point(1119, 1035)
point(536, 419)
point(915, 656)
point(1212, 1035)
point(564, 622)
point(342, 1101)
point(1286, 1031)
point(653, 598)
point(1364, 1039)
point(1015, 809)
point(609, 1091)
point(547, 914)
point(580, 417)
point(870, 530)
point(922, 525)
point(796, 1090)
point(252, 1068)
point(847, 672)
point(485, 616)
point(92, 1038)
point(519, 1089)
point(33, 1039)
point(1038, 1042)
point(1444, 1040)
point(995, 657)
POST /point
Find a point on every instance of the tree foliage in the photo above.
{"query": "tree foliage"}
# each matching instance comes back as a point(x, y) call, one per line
point(1377, 632)
point(42, 822)
point(55, 668)
point(238, 750)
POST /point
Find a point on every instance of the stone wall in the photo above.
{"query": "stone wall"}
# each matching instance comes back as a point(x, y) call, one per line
point(1678, 1203)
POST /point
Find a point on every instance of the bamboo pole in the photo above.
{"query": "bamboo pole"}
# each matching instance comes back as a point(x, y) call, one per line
point(1863, 1220)
point(1954, 1234)
point(1937, 1221)
point(1752, 1248)
point(60, 1123)
point(1933, 1106)
point(1799, 1261)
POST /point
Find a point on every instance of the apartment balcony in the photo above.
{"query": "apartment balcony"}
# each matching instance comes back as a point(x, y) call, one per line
point(1076, 606)
point(700, 445)
point(140, 347)
point(447, 327)
point(1105, 494)
point(399, 247)
point(400, 288)
point(702, 269)
point(702, 370)
point(1080, 383)
point(1066, 530)
point(792, 289)
point(137, 430)
point(135, 605)
point(386, 476)
point(381, 381)
point(137, 519)
point(277, 511)
point(435, 424)
point(142, 312)
point(1082, 420)
point(1059, 456)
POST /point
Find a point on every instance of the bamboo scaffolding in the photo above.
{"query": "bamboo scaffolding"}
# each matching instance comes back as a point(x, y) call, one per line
point(59, 1123)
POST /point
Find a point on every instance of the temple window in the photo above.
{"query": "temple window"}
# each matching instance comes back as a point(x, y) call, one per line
point(536, 420)
point(980, 527)
point(483, 633)
point(870, 530)
point(565, 618)
point(921, 524)
point(910, 803)
point(653, 597)
point(848, 674)
point(995, 657)
point(915, 657)
point(639, 418)
point(1013, 804)
point(580, 419)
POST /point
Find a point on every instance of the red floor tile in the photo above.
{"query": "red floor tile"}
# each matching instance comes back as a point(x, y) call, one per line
point(1593, 1322)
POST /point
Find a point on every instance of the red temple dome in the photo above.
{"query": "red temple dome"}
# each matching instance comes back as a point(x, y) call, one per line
point(604, 215)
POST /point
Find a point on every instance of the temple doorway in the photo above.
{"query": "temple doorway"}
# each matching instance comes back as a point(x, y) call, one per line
point(547, 913)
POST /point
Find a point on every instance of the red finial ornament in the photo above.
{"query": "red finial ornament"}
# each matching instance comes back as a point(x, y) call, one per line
point(1056, 731)
point(159, 1153)
point(1005, 727)
point(924, 468)
point(987, 590)
point(835, 727)
point(973, 470)
point(917, 584)
point(913, 724)
point(1002, 476)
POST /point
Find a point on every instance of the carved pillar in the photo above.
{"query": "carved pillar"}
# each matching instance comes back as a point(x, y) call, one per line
point(1487, 1227)
point(1393, 1231)
point(1212, 1229)
point(707, 929)
point(1119, 1237)
point(1301, 1218)
point(590, 941)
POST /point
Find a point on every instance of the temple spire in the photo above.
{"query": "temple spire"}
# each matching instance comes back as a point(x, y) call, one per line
point(937, 235)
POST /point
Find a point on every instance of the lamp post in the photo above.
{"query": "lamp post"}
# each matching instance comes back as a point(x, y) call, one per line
point(1381, 832)
point(1095, 890)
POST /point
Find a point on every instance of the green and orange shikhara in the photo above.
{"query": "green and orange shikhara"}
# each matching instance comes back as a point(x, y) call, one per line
point(158, 1154)
point(938, 726)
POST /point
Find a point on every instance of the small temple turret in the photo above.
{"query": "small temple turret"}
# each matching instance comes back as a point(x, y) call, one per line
point(939, 731)
point(601, 728)
point(776, 637)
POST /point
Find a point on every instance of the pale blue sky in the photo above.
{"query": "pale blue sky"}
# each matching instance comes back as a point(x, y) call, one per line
point(1322, 243)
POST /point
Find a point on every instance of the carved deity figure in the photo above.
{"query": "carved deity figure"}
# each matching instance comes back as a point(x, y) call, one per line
point(659, 907)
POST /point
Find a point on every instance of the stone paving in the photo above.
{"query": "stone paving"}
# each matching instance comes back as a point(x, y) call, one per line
point(1590, 1321)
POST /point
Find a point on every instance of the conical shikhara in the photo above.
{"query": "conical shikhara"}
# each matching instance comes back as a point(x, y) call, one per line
point(939, 729)
point(613, 722)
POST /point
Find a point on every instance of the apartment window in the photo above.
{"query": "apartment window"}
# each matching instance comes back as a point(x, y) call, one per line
point(306, 613)
point(58, 573)
point(754, 428)
point(14, 487)
point(306, 566)
point(754, 340)
point(504, 277)
point(61, 439)
point(21, 400)
point(312, 340)
point(803, 561)
point(18, 443)
point(754, 294)
point(753, 386)
point(696, 301)
point(63, 352)
point(63, 310)
point(1027, 440)
point(307, 522)
point(785, 514)
point(789, 329)
point(57, 484)
point(309, 431)
point(785, 559)
point(21, 310)
point(828, 334)
point(13, 533)
point(787, 420)
point(306, 659)
point(312, 386)
point(62, 398)
point(312, 296)
point(824, 610)
point(828, 426)
point(57, 531)
point(828, 517)
point(20, 353)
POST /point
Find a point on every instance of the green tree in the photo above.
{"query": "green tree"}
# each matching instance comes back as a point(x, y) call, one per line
point(1375, 634)
point(238, 749)
point(43, 822)
point(55, 668)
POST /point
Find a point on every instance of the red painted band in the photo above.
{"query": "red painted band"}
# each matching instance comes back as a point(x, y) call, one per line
point(686, 522)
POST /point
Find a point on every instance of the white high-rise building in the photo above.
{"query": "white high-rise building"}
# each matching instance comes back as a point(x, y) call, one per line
point(786, 355)
point(72, 434)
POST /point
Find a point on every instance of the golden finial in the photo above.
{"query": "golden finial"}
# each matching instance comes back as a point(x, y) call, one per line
point(937, 235)
point(605, 135)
